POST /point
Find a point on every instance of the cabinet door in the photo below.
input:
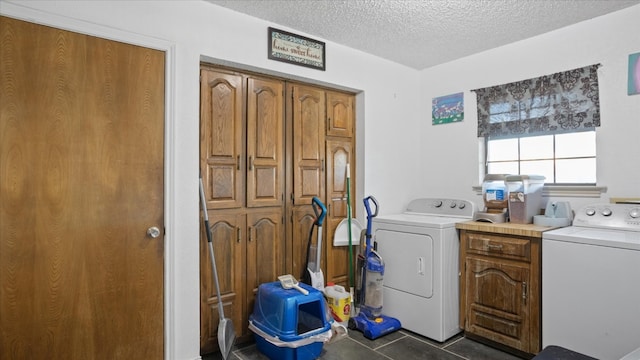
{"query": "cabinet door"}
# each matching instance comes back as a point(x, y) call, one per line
point(497, 301)
point(340, 114)
point(265, 252)
point(265, 154)
point(228, 234)
point(338, 157)
point(308, 116)
point(221, 138)
point(302, 220)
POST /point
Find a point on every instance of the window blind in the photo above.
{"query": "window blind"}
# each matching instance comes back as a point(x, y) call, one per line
point(566, 101)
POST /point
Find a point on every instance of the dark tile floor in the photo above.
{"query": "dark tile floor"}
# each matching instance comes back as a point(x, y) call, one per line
point(401, 345)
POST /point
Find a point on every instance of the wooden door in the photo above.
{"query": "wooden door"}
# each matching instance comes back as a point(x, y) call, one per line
point(265, 142)
point(222, 138)
point(228, 232)
point(81, 162)
point(265, 252)
point(338, 157)
point(308, 116)
point(302, 219)
point(497, 301)
point(340, 114)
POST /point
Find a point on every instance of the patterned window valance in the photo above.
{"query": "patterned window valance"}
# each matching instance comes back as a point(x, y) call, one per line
point(567, 101)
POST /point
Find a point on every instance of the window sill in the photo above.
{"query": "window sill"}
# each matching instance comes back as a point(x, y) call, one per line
point(582, 191)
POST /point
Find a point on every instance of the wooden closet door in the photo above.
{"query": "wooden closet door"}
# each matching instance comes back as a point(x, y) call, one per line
point(81, 163)
point(265, 142)
point(222, 138)
point(302, 219)
point(338, 157)
point(265, 252)
point(308, 116)
point(228, 231)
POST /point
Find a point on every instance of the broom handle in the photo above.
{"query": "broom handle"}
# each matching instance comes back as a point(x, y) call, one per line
point(351, 277)
point(211, 255)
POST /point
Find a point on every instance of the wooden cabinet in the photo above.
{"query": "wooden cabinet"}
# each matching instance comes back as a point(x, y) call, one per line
point(319, 169)
point(339, 155)
point(228, 230)
point(242, 160)
point(222, 136)
point(228, 165)
point(340, 114)
point(265, 142)
point(267, 147)
point(340, 145)
point(308, 119)
point(500, 284)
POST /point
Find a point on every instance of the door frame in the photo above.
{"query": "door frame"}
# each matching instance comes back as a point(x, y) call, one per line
point(65, 23)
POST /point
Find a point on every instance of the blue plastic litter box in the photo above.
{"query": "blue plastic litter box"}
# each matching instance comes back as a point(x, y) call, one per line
point(289, 325)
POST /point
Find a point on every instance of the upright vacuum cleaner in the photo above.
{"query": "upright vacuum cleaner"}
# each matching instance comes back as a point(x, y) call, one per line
point(370, 319)
point(313, 274)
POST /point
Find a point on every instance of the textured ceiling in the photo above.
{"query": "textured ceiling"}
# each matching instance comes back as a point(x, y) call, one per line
point(424, 33)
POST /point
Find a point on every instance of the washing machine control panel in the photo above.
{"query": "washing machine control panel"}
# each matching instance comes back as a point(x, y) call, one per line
point(617, 216)
point(442, 207)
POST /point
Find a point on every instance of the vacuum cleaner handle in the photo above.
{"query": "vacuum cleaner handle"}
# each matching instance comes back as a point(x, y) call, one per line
point(316, 203)
point(368, 208)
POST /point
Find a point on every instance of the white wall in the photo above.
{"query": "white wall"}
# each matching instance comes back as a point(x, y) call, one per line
point(395, 162)
point(607, 40)
point(386, 115)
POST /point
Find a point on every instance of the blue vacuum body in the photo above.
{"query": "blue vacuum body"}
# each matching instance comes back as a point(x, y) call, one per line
point(373, 328)
point(370, 319)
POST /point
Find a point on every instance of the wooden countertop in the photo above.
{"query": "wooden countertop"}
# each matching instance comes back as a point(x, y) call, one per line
point(530, 230)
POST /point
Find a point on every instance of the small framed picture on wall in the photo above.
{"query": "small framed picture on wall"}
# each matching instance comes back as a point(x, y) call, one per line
point(634, 74)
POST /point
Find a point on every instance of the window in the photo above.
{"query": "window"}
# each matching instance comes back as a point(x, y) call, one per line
point(543, 126)
point(567, 159)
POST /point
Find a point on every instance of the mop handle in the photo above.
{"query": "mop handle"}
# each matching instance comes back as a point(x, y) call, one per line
point(316, 203)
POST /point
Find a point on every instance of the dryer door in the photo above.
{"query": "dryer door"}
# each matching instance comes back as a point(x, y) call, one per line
point(408, 259)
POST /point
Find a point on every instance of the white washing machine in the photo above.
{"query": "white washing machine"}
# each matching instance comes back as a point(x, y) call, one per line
point(591, 282)
point(420, 250)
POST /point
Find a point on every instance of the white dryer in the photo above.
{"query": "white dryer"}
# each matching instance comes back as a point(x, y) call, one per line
point(420, 250)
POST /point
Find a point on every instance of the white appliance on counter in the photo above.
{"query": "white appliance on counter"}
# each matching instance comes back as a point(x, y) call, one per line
point(591, 282)
point(420, 250)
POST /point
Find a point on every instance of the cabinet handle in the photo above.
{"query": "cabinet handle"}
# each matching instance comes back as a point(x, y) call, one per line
point(250, 163)
point(328, 123)
point(238, 162)
point(524, 292)
point(238, 236)
point(249, 235)
point(420, 266)
point(322, 165)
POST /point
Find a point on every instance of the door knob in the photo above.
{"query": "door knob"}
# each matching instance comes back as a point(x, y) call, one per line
point(153, 231)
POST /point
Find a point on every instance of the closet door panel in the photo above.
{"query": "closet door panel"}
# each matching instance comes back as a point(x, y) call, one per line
point(338, 157)
point(228, 230)
point(265, 139)
point(222, 138)
point(340, 114)
point(308, 143)
point(265, 252)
